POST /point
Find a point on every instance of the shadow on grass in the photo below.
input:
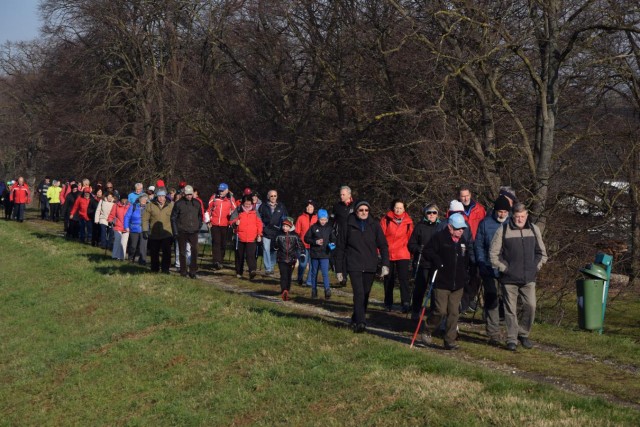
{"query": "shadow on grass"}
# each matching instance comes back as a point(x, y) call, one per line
point(123, 268)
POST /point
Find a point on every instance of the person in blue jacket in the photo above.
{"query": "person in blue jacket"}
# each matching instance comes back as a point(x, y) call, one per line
point(133, 224)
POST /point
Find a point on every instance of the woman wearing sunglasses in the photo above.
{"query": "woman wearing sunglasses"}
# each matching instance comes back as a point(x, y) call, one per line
point(357, 251)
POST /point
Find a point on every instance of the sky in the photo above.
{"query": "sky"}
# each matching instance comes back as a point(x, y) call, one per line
point(19, 20)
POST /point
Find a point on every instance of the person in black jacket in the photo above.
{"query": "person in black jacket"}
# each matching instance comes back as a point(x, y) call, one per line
point(322, 240)
point(357, 255)
point(289, 248)
point(418, 244)
point(272, 213)
point(186, 221)
point(339, 215)
point(449, 253)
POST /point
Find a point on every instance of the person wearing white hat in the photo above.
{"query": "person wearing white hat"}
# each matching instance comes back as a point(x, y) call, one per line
point(449, 253)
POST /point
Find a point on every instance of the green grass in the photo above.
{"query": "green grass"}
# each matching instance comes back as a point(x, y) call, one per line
point(89, 341)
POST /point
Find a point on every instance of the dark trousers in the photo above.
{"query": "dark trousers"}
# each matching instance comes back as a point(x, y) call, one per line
point(446, 306)
point(95, 234)
point(492, 307)
point(420, 288)
point(73, 229)
point(192, 239)
point(398, 268)
point(44, 208)
point(137, 247)
point(18, 211)
point(8, 208)
point(286, 271)
point(55, 211)
point(471, 288)
point(361, 283)
point(246, 250)
point(85, 227)
point(155, 247)
point(218, 242)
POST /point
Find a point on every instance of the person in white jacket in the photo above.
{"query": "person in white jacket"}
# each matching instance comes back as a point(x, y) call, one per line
point(102, 214)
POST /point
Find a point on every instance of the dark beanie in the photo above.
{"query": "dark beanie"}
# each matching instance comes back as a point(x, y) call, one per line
point(502, 204)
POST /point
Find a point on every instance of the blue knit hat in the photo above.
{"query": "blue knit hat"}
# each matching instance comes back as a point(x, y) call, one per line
point(322, 213)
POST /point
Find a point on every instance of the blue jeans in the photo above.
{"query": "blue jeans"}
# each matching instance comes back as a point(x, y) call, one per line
point(268, 256)
point(323, 263)
point(103, 236)
point(303, 266)
point(86, 228)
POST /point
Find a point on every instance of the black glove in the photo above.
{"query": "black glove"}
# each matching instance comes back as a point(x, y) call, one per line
point(145, 235)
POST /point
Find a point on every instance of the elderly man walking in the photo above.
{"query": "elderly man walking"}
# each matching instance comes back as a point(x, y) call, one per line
point(517, 251)
point(186, 221)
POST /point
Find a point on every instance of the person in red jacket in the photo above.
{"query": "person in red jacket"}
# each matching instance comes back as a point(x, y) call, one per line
point(121, 236)
point(221, 205)
point(397, 227)
point(248, 228)
point(80, 213)
point(20, 195)
point(303, 223)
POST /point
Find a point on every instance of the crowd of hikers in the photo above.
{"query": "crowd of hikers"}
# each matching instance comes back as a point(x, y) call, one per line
point(456, 257)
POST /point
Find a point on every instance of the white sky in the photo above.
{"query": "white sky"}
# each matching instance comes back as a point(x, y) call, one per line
point(19, 20)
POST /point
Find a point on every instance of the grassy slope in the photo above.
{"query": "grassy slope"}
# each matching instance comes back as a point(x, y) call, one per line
point(85, 340)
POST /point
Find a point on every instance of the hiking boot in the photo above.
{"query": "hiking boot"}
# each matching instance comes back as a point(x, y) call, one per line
point(452, 346)
point(193, 276)
point(359, 328)
point(299, 282)
point(415, 315)
point(252, 275)
point(426, 338)
point(314, 293)
point(526, 343)
point(183, 274)
point(387, 308)
point(327, 294)
point(406, 308)
point(511, 346)
point(494, 342)
point(285, 295)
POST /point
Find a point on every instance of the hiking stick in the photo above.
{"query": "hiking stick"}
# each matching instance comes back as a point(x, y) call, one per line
point(424, 307)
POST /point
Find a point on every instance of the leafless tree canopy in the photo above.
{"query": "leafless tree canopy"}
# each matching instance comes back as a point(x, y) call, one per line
point(392, 97)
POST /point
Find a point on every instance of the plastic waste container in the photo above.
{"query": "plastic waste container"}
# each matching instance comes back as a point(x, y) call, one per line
point(590, 292)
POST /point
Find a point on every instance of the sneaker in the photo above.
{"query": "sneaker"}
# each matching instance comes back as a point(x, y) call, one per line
point(217, 266)
point(406, 308)
point(285, 295)
point(327, 294)
point(193, 276)
point(268, 273)
point(359, 328)
point(426, 338)
point(314, 293)
point(252, 275)
point(452, 346)
point(511, 346)
point(238, 276)
point(387, 308)
point(526, 343)
point(299, 282)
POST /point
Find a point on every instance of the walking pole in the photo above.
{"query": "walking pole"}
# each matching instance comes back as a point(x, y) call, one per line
point(424, 307)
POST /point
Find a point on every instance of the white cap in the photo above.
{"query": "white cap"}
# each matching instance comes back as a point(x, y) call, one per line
point(456, 206)
point(151, 188)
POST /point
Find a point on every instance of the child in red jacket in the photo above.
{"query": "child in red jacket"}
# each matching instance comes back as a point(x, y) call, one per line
point(248, 229)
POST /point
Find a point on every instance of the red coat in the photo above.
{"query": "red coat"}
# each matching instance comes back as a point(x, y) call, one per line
point(118, 211)
point(20, 193)
point(397, 234)
point(304, 223)
point(219, 210)
point(250, 226)
point(473, 216)
point(81, 207)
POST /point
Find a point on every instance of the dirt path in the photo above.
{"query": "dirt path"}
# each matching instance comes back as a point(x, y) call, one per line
point(342, 319)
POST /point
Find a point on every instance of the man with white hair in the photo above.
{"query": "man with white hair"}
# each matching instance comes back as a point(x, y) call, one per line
point(133, 197)
point(518, 252)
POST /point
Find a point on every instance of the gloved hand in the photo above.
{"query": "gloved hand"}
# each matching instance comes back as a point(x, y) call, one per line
point(303, 258)
point(145, 235)
point(331, 246)
point(384, 271)
point(340, 277)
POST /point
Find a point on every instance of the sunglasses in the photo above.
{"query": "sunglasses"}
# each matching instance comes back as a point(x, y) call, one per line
point(432, 212)
point(363, 210)
point(273, 195)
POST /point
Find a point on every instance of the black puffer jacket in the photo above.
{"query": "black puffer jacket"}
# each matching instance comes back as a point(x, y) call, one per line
point(420, 238)
point(339, 215)
point(288, 247)
point(360, 247)
point(317, 232)
point(451, 259)
point(186, 216)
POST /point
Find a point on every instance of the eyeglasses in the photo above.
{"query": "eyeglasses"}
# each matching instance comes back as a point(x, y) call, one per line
point(273, 195)
point(363, 210)
point(432, 212)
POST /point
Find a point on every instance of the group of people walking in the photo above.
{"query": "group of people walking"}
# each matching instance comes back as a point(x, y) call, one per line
point(450, 255)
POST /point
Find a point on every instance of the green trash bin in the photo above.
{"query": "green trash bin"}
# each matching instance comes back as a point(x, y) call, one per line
point(590, 303)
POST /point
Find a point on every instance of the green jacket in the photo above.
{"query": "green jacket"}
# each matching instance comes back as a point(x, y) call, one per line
point(157, 220)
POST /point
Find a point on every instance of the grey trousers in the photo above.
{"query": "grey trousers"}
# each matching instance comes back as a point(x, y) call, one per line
point(519, 324)
point(446, 305)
